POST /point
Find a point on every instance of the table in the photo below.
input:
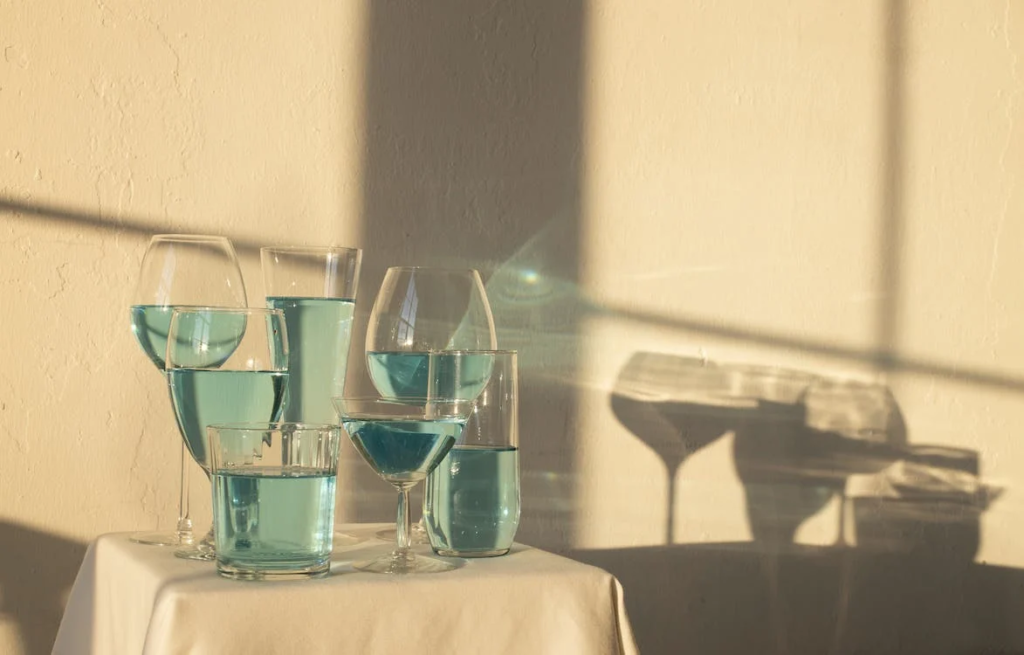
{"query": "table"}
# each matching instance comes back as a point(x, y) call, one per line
point(134, 599)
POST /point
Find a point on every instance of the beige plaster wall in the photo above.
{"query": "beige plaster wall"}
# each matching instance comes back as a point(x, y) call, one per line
point(832, 187)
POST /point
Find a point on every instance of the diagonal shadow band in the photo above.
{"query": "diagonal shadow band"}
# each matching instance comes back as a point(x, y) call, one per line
point(133, 225)
point(883, 358)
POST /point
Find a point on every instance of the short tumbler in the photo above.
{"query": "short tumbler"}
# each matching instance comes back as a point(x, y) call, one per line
point(273, 498)
point(471, 505)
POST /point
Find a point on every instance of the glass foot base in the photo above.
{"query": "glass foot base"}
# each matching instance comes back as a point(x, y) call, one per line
point(405, 565)
point(318, 570)
point(201, 553)
point(160, 539)
point(472, 553)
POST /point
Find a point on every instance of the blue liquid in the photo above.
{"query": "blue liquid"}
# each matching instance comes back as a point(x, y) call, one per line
point(407, 374)
point(150, 324)
point(402, 452)
point(273, 518)
point(319, 334)
point(472, 501)
point(221, 334)
point(204, 397)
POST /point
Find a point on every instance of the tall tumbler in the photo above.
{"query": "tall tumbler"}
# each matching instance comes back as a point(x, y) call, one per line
point(315, 287)
point(471, 506)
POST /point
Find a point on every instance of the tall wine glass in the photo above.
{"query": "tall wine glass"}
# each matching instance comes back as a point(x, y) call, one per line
point(419, 311)
point(403, 441)
point(179, 270)
point(224, 366)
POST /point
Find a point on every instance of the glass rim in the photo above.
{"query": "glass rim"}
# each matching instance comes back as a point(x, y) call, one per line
point(273, 426)
point(404, 400)
point(190, 237)
point(202, 309)
point(437, 269)
point(368, 403)
point(466, 351)
point(310, 249)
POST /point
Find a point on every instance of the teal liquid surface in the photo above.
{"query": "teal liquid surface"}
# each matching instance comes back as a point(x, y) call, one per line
point(319, 335)
point(204, 397)
point(472, 500)
point(150, 325)
point(273, 518)
point(407, 374)
point(221, 332)
point(402, 452)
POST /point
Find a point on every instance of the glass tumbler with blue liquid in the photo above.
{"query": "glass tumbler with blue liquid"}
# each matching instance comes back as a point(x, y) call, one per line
point(273, 498)
point(472, 504)
point(315, 287)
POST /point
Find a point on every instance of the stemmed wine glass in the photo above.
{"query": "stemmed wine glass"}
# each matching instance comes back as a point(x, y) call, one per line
point(420, 312)
point(224, 366)
point(403, 440)
point(179, 270)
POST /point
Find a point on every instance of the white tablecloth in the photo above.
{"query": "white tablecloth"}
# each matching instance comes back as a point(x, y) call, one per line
point(135, 599)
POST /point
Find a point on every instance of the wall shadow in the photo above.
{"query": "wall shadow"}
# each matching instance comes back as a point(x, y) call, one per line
point(900, 578)
point(473, 117)
point(37, 569)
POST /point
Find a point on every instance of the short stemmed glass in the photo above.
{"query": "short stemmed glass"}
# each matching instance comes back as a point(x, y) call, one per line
point(403, 441)
point(179, 270)
point(421, 312)
point(224, 366)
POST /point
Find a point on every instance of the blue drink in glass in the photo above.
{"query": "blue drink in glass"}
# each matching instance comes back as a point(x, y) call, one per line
point(471, 506)
point(319, 335)
point(273, 498)
point(276, 519)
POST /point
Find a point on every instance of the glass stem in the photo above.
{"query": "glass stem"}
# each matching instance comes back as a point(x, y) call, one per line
point(184, 530)
point(184, 527)
point(402, 524)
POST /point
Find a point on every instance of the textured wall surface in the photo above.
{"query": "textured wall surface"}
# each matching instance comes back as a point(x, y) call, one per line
point(833, 189)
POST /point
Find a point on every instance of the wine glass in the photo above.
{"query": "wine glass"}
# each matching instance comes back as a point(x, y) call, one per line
point(419, 311)
point(403, 440)
point(179, 270)
point(224, 366)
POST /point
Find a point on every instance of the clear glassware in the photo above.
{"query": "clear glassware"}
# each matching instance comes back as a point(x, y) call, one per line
point(180, 270)
point(419, 311)
point(403, 440)
point(273, 498)
point(471, 504)
point(224, 366)
point(315, 287)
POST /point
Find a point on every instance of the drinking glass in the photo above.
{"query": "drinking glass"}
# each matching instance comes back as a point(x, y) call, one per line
point(422, 311)
point(179, 270)
point(315, 287)
point(273, 498)
point(224, 366)
point(471, 505)
point(402, 441)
